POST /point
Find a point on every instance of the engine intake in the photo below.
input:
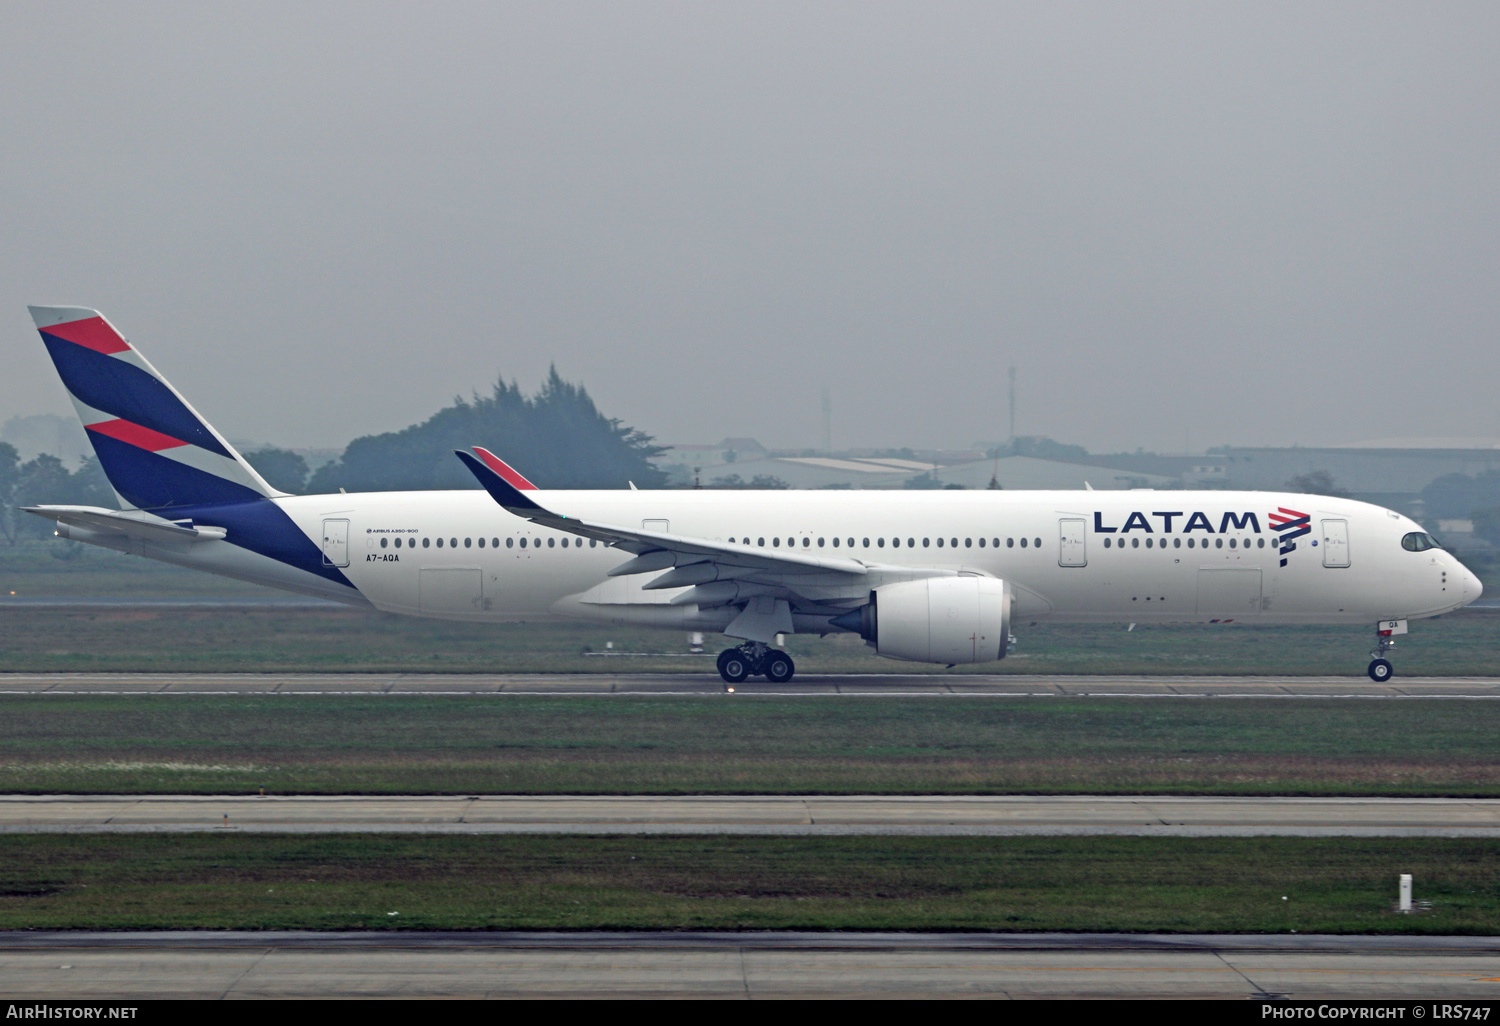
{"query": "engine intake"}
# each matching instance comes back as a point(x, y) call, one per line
point(936, 620)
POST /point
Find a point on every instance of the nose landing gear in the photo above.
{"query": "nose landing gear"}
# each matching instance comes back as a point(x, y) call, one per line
point(735, 664)
point(1380, 669)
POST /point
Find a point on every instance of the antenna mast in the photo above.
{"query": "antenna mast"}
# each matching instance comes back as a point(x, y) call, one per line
point(1013, 406)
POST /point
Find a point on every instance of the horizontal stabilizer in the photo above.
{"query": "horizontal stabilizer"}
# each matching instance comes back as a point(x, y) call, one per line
point(131, 523)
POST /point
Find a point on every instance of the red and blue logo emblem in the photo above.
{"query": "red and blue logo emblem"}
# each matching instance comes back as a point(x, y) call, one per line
point(1290, 525)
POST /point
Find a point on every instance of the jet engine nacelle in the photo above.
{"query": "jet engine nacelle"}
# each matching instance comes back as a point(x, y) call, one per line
point(936, 620)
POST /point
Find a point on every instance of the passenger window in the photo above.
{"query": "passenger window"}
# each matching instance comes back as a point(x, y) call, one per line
point(495, 543)
point(468, 543)
point(1148, 543)
point(1135, 543)
point(911, 543)
point(453, 543)
point(510, 543)
point(1037, 542)
point(1176, 543)
point(835, 543)
point(565, 543)
point(1106, 543)
point(867, 543)
point(895, 543)
point(426, 542)
point(595, 541)
point(523, 543)
point(1260, 543)
point(761, 542)
point(995, 542)
point(1023, 543)
point(776, 543)
point(481, 543)
point(1218, 543)
point(1010, 543)
point(440, 543)
point(384, 542)
point(981, 543)
point(851, 543)
point(820, 542)
point(806, 542)
point(1232, 543)
point(880, 543)
point(551, 543)
point(926, 543)
point(953, 543)
point(968, 543)
point(940, 543)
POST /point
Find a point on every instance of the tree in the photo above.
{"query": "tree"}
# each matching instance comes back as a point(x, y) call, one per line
point(1458, 495)
point(10, 467)
point(1315, 482)
point(762, 481)
point(1041, 448)
point(1487, 524)
point(285, 470)
point(556, 438)
point(45, 481)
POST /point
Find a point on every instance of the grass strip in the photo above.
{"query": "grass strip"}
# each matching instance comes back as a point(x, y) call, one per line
point(719, 744)
point(535, 882)
point(338, 640)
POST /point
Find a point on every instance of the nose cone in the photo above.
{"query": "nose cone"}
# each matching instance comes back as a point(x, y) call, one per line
point(1472, 588)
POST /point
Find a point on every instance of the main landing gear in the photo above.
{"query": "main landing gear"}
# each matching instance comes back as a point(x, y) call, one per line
point(735, 664)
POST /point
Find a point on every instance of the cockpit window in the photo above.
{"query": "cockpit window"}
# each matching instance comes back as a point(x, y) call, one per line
point(1419, 541)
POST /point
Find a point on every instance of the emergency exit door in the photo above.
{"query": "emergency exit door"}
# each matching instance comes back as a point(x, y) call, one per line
point(335, 543)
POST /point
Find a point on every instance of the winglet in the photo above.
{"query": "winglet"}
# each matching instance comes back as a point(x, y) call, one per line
point(504, 469)
point(500, 488)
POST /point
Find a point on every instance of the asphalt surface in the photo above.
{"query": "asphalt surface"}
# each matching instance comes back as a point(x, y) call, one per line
point(906, 815)
point(707, 682)
point(102, 966)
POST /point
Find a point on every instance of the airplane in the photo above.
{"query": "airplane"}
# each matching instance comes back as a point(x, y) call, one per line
point(924, 576)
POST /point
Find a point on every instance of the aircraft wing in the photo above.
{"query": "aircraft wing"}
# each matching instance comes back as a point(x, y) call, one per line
point(688, 560)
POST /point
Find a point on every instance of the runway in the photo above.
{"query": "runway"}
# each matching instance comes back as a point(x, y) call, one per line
point(126, 966)
point(998, 816)
point(707, 683)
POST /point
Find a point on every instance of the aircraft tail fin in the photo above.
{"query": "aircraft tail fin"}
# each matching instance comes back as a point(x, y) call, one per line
point(156, 450)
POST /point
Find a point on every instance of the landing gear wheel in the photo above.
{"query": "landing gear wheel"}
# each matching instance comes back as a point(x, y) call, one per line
point(733, 666)
point(1380, 671)
point(779, 667)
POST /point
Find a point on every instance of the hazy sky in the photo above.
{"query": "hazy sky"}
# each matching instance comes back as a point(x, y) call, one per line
point(1258, 223)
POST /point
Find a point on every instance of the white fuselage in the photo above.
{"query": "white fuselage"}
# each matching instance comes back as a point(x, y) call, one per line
point(1179, 556)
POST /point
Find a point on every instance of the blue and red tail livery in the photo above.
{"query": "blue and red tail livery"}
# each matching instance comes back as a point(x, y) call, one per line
point(157, 452)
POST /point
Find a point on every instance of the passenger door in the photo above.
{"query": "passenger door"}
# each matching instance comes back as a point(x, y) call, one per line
point(335, 543)
point(1071, 551)
point(1335, 543)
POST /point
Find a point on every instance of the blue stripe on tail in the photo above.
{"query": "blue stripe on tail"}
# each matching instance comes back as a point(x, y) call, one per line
point(116, 387)
point(152, 482)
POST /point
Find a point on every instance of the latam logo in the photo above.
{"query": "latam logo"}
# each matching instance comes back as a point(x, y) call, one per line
point(1287, 524)
point(1192, 522)
point(1290, 525)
